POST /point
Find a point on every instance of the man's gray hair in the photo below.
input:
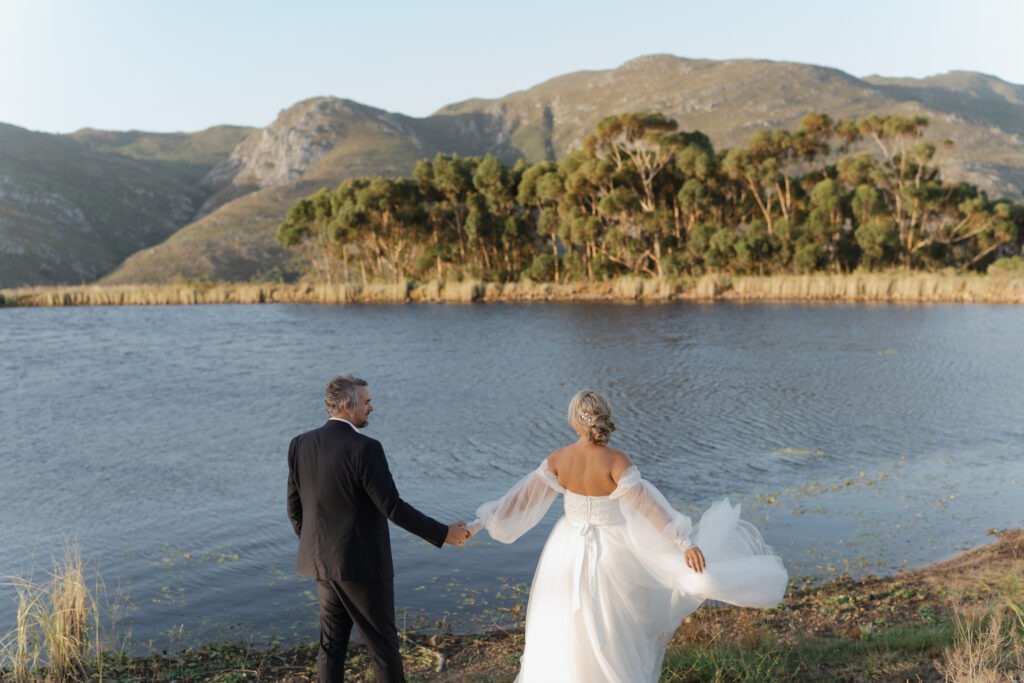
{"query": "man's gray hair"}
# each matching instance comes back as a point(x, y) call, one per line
point(342, 392)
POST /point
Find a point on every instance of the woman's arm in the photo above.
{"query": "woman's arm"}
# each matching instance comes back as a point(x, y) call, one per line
point(519, 510)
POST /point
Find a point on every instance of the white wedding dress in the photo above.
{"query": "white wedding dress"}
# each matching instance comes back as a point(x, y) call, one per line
point(612, 584)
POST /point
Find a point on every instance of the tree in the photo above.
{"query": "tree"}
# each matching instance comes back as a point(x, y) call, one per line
point(905, 165)
point(827, 218)
point(756, 250)
point(642, 197)
point(308, 224)
point(990, 226)
point(540, 189)
point(641, 149)
point(390, 219)
point(453, 180)
point(879, 241)
point(494, 219)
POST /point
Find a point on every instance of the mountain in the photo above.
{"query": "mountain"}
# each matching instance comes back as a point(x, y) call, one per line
point(313, 144)
point(73, 207)
point(237, 196)
point(729, 100)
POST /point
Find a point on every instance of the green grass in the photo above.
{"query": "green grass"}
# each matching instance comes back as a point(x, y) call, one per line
point(901, 653)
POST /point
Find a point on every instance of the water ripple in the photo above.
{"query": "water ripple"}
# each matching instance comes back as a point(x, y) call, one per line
point(153, 434)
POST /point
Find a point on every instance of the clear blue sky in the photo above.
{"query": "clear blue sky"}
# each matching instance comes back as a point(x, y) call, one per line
point(185, 65)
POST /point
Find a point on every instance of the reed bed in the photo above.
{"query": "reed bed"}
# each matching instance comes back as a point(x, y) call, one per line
point(892, 286)
point(896, 286)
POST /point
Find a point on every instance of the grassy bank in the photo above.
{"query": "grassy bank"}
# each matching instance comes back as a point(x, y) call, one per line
point(897, 286)
point(959, 620)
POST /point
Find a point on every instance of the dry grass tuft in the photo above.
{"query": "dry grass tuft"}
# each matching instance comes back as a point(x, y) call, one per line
point(52, 620)
point(988, 647)
point(466, 291)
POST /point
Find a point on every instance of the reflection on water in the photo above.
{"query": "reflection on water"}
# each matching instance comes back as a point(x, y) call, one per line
point(858, 437)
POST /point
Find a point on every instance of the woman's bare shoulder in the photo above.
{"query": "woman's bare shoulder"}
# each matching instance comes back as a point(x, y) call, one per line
point(620, 463)
point(556, 458)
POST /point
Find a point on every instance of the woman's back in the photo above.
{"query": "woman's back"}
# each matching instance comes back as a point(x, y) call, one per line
point(588, 469)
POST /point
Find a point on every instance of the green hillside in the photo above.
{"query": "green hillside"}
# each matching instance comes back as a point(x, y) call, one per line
point(75, 206)
point(236, 242)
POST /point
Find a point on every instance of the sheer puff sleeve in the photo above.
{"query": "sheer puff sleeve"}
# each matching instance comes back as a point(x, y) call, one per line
point(519, 510)
point(645, 508)
point(741, 568)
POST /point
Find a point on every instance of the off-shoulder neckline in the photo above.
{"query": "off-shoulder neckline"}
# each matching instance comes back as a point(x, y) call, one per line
point(551, 475)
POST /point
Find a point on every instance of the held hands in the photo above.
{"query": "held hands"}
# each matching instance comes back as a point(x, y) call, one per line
point(695, 559)
point(458, 533)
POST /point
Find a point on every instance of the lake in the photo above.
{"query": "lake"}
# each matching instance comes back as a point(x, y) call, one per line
point(859, 438)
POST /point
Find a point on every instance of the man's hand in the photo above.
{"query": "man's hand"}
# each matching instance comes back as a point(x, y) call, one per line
point(457, 534)
point(695, 559)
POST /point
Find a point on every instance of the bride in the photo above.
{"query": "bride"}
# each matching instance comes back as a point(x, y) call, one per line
point(622, 568)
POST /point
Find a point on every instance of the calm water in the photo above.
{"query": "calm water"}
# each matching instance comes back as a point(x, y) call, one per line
point(859, 438)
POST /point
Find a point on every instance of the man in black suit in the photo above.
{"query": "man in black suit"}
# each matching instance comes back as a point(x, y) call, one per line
point(340, 498)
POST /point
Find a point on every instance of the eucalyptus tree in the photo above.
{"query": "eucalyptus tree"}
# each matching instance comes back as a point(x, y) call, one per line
point(587, 181)
point(349, 222)
point(439, 250)
point(640, 146)
point(711, 247)
point(696, 200)
point(879, 241)
point(906, 165)
point(493, 216)
point(453, 181)
point(986, 227)
point(827, 223)
point(308, 226)
point(756, 250)
point(540, 189)
point(757, 177)
point(642, 197)
point(875, 233)
point(642, 149)
point(391, 223)
point(813, 138)
point(622, 241)
point(767, 165)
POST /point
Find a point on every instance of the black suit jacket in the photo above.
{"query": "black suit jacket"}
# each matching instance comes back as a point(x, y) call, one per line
point(340, 498)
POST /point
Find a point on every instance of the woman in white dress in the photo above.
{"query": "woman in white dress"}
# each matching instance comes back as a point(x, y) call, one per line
point(622, 568)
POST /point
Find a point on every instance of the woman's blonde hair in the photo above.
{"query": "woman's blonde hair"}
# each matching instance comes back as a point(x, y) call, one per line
point(590, 413)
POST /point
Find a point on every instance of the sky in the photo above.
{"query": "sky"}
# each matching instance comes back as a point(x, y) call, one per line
point(186, 65)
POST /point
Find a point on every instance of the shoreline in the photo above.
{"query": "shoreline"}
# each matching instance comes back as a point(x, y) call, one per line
point(837, 617)
point(889, 287)
point(906, 626)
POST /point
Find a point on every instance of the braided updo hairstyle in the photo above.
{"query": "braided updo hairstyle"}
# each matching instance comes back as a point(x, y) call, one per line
point(590, 413)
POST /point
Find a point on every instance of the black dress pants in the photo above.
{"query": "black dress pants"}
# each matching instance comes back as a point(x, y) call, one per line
point(370, 606)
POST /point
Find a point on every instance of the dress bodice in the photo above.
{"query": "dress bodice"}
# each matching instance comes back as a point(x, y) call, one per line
point(593, 510)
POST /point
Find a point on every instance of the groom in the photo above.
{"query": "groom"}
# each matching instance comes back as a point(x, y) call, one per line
point(340, 498)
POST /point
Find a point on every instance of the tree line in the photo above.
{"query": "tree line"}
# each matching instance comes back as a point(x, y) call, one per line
point(642, 197)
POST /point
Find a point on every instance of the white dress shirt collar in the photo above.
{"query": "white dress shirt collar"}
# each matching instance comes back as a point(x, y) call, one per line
point(341, 419)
